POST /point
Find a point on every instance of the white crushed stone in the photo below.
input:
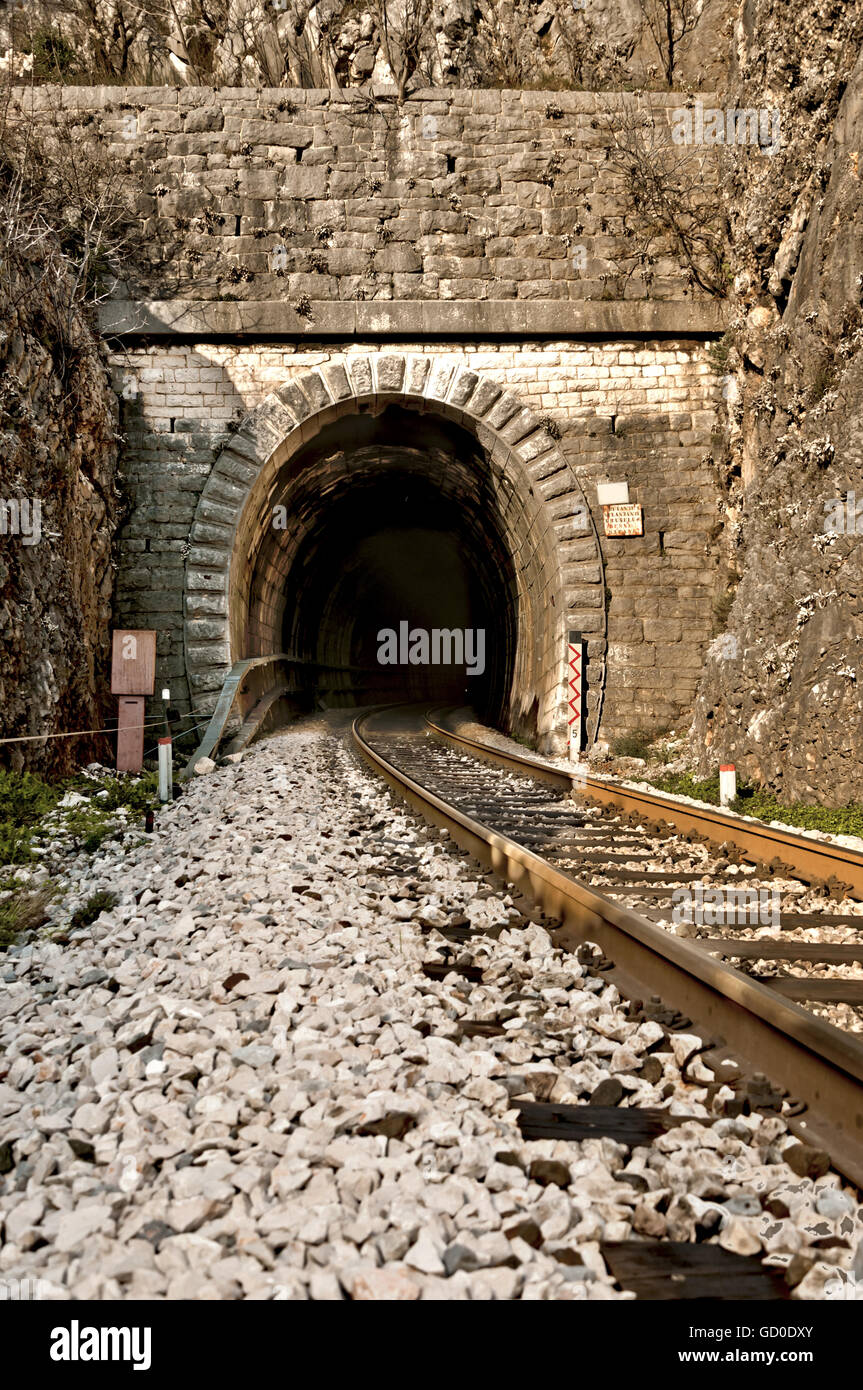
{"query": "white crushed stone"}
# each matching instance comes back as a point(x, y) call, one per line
point(238, 1083)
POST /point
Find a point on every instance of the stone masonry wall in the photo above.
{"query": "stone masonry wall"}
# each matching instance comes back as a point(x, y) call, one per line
point(279, 227)
point(624, 410)
point(318, 196)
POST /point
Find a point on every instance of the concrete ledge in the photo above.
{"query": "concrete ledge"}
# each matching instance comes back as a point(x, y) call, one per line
point(485, 318)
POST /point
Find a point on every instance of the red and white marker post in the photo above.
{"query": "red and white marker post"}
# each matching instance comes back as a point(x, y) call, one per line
point(575, 693)
point(166, 769)
point(727, 784)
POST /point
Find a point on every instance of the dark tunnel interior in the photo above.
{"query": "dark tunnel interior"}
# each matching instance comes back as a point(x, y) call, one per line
point(394, 581)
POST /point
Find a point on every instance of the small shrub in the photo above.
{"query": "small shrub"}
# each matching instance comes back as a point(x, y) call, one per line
point(25, 799)
point(88, 828)
point(15, 847)
point(722, 609)
point(838, 820)
point(137, 795)
point(633, 745)
point(54, 60)
point(22, 911)
point(718, 354)
point(83, 916)
point(684, 784)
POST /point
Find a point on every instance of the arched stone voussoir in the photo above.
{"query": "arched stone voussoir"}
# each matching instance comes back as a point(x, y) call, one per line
point(535, 479)
point(314, 388)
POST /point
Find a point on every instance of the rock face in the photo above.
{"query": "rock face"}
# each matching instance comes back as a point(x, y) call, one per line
point(602, 44)
point(780, 695)
point(58, 458)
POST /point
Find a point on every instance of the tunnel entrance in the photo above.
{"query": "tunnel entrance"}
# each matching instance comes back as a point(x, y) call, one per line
point(390, 490)
point(388, 559)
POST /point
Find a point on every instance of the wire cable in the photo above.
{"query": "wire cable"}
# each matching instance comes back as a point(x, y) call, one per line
point(80, 733)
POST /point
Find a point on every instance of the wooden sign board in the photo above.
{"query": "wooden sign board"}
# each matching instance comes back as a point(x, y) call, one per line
point(133, 662)
point(130, 733)
point(623, 520)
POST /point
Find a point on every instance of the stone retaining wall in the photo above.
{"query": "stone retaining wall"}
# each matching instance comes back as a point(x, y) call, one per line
point(623, 410)
point(307, 195)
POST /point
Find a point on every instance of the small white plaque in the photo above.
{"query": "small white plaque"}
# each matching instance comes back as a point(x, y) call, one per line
point(612, 494)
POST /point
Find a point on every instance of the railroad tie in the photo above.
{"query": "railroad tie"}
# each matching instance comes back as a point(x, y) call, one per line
point(675, 1269)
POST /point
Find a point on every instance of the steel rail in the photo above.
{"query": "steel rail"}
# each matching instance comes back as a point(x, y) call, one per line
point(811, 860)
point(814, 1061)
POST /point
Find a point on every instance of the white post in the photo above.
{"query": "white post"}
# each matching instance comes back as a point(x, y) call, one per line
point(575, 694)
point(727, 784)
point(166, 770)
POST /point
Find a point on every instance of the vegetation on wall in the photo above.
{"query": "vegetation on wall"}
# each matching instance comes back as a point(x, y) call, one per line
point(347, 43)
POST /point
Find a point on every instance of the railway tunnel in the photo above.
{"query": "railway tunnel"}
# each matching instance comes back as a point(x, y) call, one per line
point(380, 495)
point(395, 522)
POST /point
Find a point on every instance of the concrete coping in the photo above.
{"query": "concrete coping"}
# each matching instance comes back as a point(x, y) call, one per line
point(512, 318)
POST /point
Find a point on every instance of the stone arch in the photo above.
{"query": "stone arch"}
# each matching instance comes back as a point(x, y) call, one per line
point(550, 530)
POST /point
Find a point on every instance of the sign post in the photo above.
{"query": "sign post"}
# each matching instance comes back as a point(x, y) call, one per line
point(133, 676)
point(727, 784)
point(166, 770)
point(575, 689)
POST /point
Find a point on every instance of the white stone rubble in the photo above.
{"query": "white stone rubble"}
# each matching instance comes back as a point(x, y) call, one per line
point(238, 1083)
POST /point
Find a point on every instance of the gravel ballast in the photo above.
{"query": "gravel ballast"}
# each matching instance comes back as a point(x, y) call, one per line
point(239, 1083)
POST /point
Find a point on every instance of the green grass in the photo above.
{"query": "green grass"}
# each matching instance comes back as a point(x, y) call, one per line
point(89, 911)
point(26, 801)
point(634, 745)
point(89, 827)
point(834, 820)
point(30, 813)
point(684, 784)
point(24, 910)
point(763, 805)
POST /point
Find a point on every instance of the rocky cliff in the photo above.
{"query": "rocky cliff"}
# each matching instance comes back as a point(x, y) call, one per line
point(781, 693)
point(60, 510)
point(554, 44)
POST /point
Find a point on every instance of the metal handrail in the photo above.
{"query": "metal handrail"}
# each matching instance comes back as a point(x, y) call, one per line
point(215, 729)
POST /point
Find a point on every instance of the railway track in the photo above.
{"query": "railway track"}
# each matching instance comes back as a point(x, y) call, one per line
point(582, 863)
